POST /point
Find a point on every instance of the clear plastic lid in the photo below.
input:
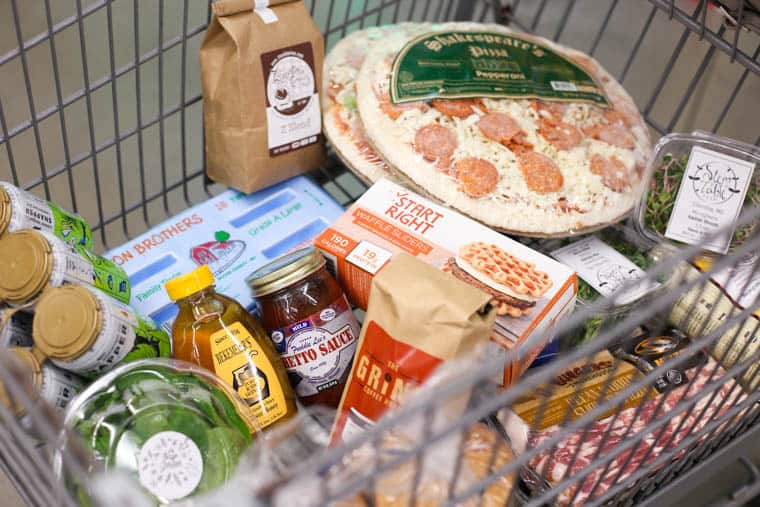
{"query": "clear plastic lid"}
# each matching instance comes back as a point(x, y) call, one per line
point(700, 185)
point(172, 426)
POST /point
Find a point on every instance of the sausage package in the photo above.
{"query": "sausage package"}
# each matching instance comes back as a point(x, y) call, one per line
point(261, 65)
point(418, 318)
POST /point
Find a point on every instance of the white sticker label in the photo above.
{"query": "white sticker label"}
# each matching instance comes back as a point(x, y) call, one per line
point(68, 265)
point(710, 198)
point(293, 113)
point(29, 211)
point(604, 268)
point(369, 257)
point(170, 465)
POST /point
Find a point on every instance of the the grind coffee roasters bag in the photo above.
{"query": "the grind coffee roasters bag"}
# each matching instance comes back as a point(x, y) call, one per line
point(261, 65)
point(418, 317)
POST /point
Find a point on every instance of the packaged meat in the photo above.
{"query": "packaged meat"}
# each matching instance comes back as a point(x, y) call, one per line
point(604, 438)
point(531, 291)
point(233, 233)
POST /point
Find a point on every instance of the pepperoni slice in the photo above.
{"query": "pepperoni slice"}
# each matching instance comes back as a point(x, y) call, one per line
point(551, 111)
point(541, 174)
point(562, 136)
point(436, 143)
point(461, 108)
point(477, 176)
point(498, 127)
point(519, 143)
point(394, 111)
point(612, 170)
point(615, 134)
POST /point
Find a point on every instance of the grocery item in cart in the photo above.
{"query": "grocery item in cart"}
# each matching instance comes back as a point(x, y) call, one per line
point(608, 264)
point(578, 389)
point(15, 328)
point(261, 69)
point(217, 333)
point(173, 427)
point(516, 126)
point(342, 124)
point(310, 322)
point(713, 307)
point(31, 261)
point(41, 380)
point(232, 233)
point(555, 464)
point(418, 318)
point(20, 209)
point(87, 332)
point(530, 291)
point(700, 184)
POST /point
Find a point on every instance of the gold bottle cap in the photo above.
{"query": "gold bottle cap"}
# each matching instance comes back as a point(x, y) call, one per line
point(26, 262)
point(67, 320)
point(32, 378)
point(6, 209)
point(285, 270)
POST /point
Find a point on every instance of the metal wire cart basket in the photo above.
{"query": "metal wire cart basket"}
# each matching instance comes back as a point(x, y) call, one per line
point(100, 111)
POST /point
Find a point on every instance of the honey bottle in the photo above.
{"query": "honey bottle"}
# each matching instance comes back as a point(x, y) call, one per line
point(217, 333)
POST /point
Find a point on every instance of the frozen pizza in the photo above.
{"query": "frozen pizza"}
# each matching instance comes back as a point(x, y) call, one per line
point(534, 165)
point(342, 125)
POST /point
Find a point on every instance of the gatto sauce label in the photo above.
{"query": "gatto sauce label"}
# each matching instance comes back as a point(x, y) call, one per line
point(383, 370)
point(318, 350)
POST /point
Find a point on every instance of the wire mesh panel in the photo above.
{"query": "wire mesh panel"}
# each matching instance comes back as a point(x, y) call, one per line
point(100, 111)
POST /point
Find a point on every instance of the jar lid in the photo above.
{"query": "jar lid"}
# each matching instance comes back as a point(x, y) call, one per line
point(285, 270)
point(67, 320)
point(189, 283)
point(6, 209)
point(26, 262)
point(32, 380)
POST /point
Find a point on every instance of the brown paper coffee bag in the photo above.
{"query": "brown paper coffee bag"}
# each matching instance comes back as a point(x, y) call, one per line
point(418, 317)
point(261, 65)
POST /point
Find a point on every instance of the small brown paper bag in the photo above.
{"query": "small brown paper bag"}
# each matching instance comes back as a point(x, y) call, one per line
point(261, 66)
point(418, 317)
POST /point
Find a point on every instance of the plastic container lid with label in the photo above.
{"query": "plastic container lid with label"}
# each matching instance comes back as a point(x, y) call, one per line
point(700, 184)
point(172, 426)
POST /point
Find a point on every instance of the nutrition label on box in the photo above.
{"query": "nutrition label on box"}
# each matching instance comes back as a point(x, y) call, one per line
point(603, 267)
point(369, 257)
point(710, 198)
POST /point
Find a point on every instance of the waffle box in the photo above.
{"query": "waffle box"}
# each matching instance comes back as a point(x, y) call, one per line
point(531, 291)
point(233, 233)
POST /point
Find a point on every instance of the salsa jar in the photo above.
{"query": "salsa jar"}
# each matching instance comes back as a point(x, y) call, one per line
point(309, 320)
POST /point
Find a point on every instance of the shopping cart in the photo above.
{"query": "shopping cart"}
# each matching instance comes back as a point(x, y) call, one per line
point(100, 111)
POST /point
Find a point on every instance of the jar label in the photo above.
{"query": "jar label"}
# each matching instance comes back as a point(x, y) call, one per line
point(31, 212)
point(240, 361)
point(170, 465)
point(17, 331)
point(319, 350)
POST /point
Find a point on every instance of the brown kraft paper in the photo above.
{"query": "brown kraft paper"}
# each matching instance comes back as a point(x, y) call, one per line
point(260, 93)
point(418, 317)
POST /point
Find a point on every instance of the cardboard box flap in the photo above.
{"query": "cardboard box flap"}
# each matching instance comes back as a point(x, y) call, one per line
point(230, 7)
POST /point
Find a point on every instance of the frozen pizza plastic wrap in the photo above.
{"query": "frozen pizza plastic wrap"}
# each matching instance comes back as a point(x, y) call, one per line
point(696, 381)
point(501, 125)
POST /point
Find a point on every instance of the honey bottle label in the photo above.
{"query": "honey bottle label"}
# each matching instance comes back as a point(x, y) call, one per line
point(240, 361)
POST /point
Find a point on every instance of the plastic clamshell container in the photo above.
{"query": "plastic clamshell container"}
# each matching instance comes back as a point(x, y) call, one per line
point(170, 425)
point(718, 169)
